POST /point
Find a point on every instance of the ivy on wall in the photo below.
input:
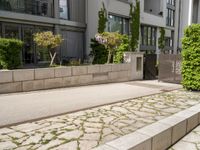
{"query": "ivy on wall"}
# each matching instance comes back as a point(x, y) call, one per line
point(161, 40)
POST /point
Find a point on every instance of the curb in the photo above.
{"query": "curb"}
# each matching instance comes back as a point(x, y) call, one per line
point(159, 135)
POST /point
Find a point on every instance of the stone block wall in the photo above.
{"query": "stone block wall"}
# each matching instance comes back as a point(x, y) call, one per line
point(48, 78)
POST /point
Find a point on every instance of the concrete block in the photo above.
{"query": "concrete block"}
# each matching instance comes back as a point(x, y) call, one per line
point(93, 69)
point(44, 73)
point(192, 122)
point(6, 76)
point(133, 141)
point(85, 79)
point(33, 85)
point(192, 118)
point(63, 72)
point(104, 147)
point(10, 87)
point(100, 77)
point(179, 125)
point(119, 75)
point(79, 70)
point(117, 67)
point(160, 133)
point(105, 68)
point(53, 83)
point(23, 75)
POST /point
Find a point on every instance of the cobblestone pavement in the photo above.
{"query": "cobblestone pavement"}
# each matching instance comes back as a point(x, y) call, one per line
point(189, 142)
point(87, 129)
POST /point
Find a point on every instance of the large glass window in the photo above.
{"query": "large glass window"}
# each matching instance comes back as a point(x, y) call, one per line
point(34, 7)
point(171, 2)
point(170, 17)
point(118, 24)
point(12, 31)
point(148, 34)
point(64, 9)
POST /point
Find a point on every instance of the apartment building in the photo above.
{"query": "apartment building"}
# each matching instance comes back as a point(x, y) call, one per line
point(77, 21)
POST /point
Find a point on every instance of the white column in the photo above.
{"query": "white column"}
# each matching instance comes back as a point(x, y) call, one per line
point(190, 12)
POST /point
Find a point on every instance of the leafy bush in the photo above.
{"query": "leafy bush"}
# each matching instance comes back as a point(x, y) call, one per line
point(10, 50)
point(111, 40)
point(99, 52)
point(119, 53)
point(191, 58)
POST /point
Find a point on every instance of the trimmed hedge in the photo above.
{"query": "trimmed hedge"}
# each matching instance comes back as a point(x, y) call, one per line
point(191, 58)
point(10, 50)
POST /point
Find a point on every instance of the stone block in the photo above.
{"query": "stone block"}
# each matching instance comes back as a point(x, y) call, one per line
point(179, 127)
point(44, 73)
point(6, 76)
point(105, 68)
point(79, 70)
point(63, 72)
point(120, 75)
point(10, 87)
point(53, 83)
point(160, 133)
point(85, 79)
point(199, 118)
point(133, 141)
point(93, 69)
point(100, 77)
point(117, 67)
point(104, 147)
point(192, 122)
point(23, 75)
point(33, 85)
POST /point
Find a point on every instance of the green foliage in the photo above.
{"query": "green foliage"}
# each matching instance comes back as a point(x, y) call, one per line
point(191, 58)
point(119, 52)
point(161, 40)
point(50, 41)
point(10, 50)
point(111, 41)
point(99, 52)
point(134, 25)
point(102, 19)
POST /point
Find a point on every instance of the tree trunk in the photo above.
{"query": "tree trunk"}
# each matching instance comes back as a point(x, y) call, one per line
point(109, 57)
point(53, 56)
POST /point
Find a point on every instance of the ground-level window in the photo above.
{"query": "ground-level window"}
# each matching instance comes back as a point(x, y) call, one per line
point(31, 54)
point(118, 24)
point(148, 35)
point(73, 45)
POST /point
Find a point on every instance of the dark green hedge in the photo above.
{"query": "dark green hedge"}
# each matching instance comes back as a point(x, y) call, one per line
point(10, 50)
point(191, 58)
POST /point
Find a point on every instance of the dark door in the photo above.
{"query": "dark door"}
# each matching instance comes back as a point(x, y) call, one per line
point(150, 67)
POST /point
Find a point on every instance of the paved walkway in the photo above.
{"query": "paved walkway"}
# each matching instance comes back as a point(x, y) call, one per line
point(189, 142)
point(87, 129)
point(15, 108)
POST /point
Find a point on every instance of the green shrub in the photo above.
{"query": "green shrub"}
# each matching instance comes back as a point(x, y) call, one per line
point(99, 52)
point(191, 58)
point(119, 53)
point(10, 50)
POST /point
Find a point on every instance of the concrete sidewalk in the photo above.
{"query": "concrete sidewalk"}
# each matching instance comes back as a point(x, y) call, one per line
point(17, 108)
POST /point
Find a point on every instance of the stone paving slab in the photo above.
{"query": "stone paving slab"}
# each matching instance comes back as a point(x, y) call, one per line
point(189, 142)
point(87, 129)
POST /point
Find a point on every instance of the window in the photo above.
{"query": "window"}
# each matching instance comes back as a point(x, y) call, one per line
point(118, 24)
point(170, 17)
point(64, 9)
point(34, 7)
point(171, 2)
point(12, 31)
point(148, 34)
point(169, 41)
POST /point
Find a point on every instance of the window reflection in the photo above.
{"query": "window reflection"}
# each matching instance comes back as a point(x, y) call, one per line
point(63, 5)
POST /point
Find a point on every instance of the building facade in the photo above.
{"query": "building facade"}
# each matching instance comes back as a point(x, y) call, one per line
point(77, 21)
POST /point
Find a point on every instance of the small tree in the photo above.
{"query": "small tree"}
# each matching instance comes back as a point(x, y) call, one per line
point(161, 40)
point(111, 40)
point(50, 41)
point(134, 25)
point(102, 19)
point(99, 51)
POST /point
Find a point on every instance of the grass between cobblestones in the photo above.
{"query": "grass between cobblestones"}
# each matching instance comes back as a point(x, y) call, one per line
point(87, 129)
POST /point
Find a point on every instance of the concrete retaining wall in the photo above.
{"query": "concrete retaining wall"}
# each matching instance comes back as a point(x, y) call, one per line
point(48, 78)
